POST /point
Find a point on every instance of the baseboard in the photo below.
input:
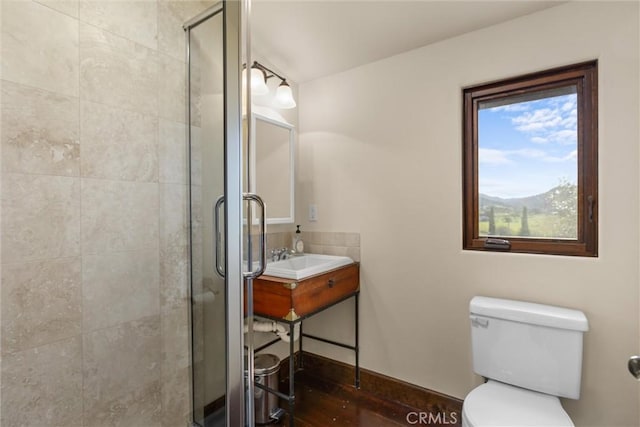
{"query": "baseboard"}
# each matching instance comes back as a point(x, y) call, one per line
point(385, 387)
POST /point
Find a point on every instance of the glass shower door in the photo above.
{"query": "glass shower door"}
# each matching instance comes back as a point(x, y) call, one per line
point(213, 58)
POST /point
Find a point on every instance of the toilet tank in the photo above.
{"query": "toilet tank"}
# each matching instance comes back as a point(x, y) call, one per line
point(533, 346)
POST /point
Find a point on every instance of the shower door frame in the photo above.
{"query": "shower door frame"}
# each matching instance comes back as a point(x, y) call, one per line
point(231, 18)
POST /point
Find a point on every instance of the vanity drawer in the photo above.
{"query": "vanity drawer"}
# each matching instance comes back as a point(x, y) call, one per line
point(290, 299)
point(318, 292)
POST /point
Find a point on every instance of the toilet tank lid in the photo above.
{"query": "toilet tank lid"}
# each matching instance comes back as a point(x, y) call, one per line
point(528, 312)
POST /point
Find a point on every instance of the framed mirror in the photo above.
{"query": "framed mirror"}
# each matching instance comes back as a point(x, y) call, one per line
point(272, 151)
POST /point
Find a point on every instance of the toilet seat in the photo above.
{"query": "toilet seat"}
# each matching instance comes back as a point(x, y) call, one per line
point(495, 404)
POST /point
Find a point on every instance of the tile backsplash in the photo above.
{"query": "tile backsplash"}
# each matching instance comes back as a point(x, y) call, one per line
point(319, 242)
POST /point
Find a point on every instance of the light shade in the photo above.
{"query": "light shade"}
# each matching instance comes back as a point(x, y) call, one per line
point(284, 96)
point(258, 82)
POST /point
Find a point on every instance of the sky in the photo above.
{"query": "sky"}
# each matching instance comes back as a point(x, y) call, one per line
point(527, 148)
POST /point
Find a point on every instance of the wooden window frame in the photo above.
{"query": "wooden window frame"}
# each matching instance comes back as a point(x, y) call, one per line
point(585, 77)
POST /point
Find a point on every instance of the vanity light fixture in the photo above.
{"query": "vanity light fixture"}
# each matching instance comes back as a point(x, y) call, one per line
point(259, 76)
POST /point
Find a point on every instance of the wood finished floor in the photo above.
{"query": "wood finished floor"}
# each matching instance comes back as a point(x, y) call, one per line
point(320, 403)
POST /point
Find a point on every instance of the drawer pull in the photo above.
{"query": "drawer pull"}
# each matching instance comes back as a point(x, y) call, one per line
point(331, 283)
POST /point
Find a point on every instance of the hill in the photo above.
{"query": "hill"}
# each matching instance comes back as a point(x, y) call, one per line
point(537, 203)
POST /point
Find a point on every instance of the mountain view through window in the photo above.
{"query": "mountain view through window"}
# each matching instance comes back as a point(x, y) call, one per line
point(527, 165)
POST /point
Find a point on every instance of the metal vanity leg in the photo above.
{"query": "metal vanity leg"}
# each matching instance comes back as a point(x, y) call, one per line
point(357, 349)
point(292, 397)
point(301, 358)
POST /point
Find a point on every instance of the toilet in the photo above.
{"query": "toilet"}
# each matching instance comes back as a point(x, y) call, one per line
point(531, 355)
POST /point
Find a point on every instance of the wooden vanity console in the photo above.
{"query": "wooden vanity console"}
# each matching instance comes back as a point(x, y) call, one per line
point(291, 299)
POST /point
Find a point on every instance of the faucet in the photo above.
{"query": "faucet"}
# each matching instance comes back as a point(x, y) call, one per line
point(279, 254)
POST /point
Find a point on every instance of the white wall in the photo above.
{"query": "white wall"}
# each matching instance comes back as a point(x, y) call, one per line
point(380, 154)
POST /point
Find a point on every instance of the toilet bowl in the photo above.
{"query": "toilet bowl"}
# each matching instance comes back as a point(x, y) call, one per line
point(530, 355)
point(495, 404)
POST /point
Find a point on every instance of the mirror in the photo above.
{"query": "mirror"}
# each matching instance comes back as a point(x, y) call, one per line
point(272, 163)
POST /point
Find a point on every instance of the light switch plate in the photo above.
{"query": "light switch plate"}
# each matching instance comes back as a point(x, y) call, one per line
point(313, 212)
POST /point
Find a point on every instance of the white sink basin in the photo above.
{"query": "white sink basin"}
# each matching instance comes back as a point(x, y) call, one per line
point(302, 266)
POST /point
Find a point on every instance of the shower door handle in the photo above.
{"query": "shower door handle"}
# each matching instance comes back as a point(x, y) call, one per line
point(218, 240)
point(252, 274)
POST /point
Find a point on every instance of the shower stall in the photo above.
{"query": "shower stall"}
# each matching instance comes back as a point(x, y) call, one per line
point(122, 297)
point(223, 235)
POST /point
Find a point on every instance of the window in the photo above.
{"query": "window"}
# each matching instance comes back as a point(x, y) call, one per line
point(530, 163)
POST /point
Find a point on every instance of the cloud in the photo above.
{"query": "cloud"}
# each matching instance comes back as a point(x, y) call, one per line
point(537, 120)
point(490, 156)
point(530, 153)
point(564, 136)
point(512, 107)
point(508, 188)
point(539, 140)
point(555, 121)
point(570, 157)
point(493, 157)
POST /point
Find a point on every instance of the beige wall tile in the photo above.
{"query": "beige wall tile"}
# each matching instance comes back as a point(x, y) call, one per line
point(122, 375)
point(312, 248)
point(68, 7)
point(172, 89)
point(119, 287)
point(39, 47)
point(197, 267)
point(354, 253)
point(275, 241)
point(174, 276)
point(352, 240)
point(134, 20)
point(174, 254)
point(311, 237)
point(118, 144)
point(171, 36)
point(195, 147)
point(176, 407)
point(175, 337)
point(176, 363)
point(196, 96)
point(199, 388)
point(41, 303)
point(335, 250)
point(172, 152)
point(171, 16)
point(40, 217)
point(174, 220)
point(198, 215)
point(117, 72)
point(118, 216)
point(43, 386)
point(40, 131)
point(333, 239)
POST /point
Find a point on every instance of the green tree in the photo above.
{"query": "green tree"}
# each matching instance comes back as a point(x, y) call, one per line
point(563, 203)
point(507, 220)
point(492, 222)
point(524, 222)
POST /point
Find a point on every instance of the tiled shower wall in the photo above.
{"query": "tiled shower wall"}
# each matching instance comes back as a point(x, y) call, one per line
point(94, 316)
